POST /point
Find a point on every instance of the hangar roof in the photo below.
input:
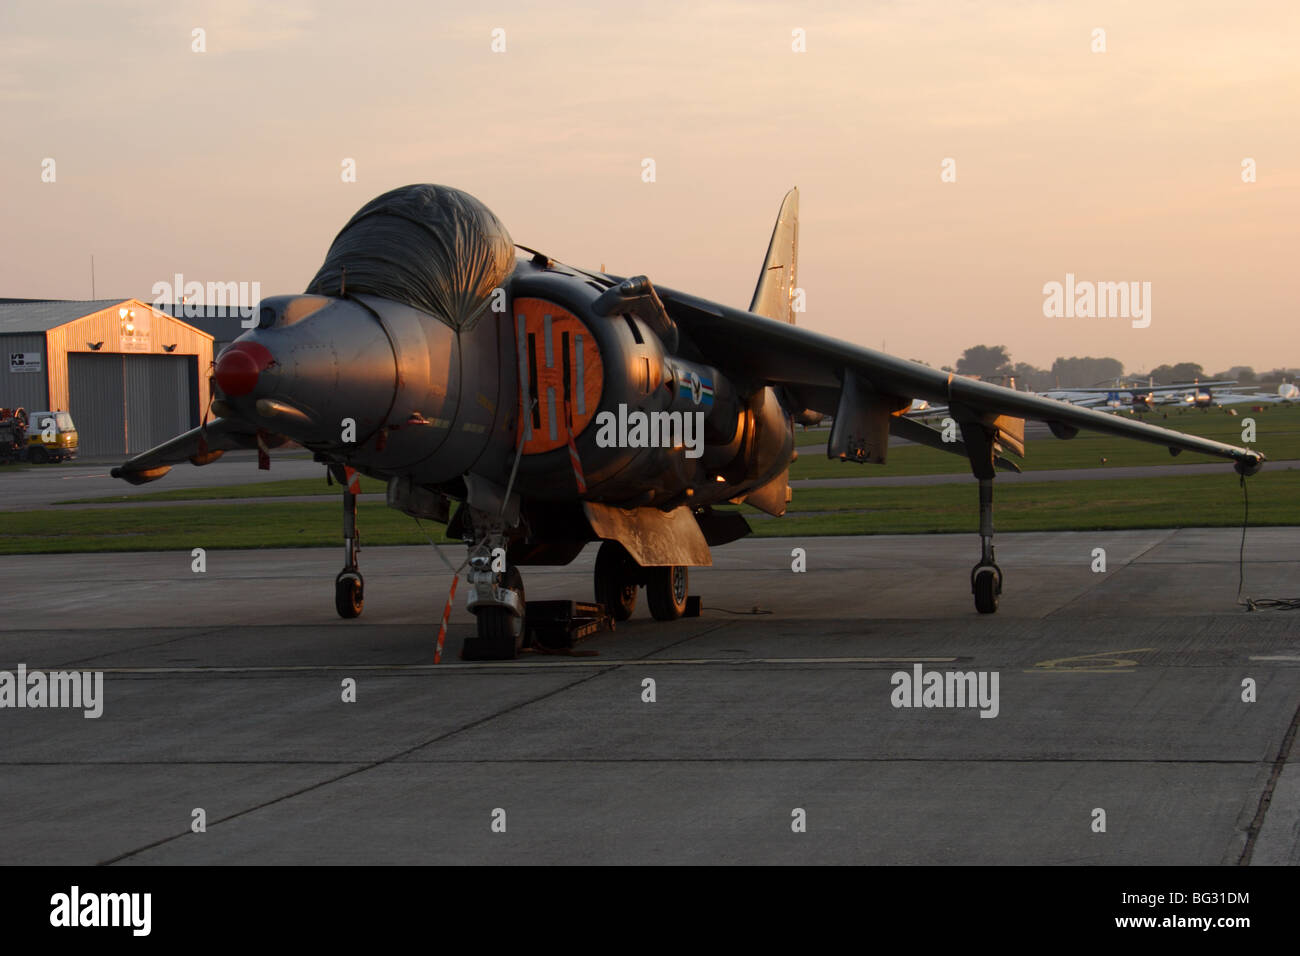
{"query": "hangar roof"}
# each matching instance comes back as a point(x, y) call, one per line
point(19, 317)
point(27, 316)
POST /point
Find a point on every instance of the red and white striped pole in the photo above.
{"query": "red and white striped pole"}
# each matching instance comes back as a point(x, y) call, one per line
point(446, 613)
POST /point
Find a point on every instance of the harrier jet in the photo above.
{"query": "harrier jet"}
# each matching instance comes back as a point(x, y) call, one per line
point(535, 407)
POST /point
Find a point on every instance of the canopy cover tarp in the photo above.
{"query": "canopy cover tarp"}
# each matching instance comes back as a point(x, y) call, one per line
point(431, 247)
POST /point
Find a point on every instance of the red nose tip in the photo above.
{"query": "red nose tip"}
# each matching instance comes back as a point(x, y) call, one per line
point(239, 366)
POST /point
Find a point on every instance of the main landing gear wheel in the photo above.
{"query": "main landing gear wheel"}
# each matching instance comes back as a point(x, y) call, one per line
point(349, 594)
point(616, 580)
point(500, 632)
point(666, 591)
point(986, 582)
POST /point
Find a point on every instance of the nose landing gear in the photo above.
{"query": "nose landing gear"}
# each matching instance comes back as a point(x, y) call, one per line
point(501, 623)
point(496, 594)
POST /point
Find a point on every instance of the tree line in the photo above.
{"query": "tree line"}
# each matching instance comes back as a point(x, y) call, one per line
point(993, 363)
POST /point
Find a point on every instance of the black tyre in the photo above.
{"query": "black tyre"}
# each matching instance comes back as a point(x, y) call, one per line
point(38, 455)
point(987, 584)
point(500, 633)
point(616, 580)
point(666, 591)
point(349, 595)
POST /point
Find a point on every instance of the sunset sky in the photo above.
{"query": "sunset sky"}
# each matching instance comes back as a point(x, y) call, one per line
point(1115, 166)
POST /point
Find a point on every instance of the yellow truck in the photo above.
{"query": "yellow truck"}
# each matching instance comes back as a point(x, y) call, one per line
point(51, 436)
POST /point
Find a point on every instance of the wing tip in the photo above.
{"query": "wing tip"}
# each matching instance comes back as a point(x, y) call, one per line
point(1249, 464)
point(141, 476)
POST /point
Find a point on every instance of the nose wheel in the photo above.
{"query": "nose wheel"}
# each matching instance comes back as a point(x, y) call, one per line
point(500, 626)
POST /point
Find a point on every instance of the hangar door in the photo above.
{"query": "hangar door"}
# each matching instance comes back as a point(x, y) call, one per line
point(126, 404)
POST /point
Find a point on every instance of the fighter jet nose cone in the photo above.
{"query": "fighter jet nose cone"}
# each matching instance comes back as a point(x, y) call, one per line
point(239, 367)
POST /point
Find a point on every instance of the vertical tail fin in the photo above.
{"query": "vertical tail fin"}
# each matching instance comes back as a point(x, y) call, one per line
point(774, 294)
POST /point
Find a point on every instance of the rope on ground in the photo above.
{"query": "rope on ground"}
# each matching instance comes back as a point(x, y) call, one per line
point(1255, 604)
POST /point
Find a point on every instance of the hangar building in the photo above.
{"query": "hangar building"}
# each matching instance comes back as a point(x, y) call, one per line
point(130, 375)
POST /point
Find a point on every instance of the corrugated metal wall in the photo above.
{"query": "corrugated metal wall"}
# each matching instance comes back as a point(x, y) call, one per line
point(24, 389)
point(158, 399)
point(126, 404)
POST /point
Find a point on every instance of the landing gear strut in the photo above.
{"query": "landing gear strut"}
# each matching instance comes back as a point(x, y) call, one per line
point(349, 588)
point(986, 577)
point(981, 440)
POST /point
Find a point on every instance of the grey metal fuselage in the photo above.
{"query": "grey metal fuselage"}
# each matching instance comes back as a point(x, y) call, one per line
point(422, 401)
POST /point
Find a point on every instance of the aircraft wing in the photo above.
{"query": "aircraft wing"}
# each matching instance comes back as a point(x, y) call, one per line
point(1088, 402)
point(840, 379)
point(1236, 398)
point(198, 446)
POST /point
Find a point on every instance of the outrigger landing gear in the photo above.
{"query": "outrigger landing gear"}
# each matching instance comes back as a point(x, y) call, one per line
point(982, 440)
point(986, 577)
point(349, 588)
point(496, 597)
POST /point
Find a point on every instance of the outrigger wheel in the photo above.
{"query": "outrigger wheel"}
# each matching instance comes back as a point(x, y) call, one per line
point(349, 594)
point(666, 590)
point(986, 583)
point(616, 580)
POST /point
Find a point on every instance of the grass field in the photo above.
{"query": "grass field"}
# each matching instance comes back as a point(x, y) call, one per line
point(1209, 501)
point(254, 525)
point(1175, 501)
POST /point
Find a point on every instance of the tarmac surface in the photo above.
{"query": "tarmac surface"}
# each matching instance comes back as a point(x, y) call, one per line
point(1119, 691)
